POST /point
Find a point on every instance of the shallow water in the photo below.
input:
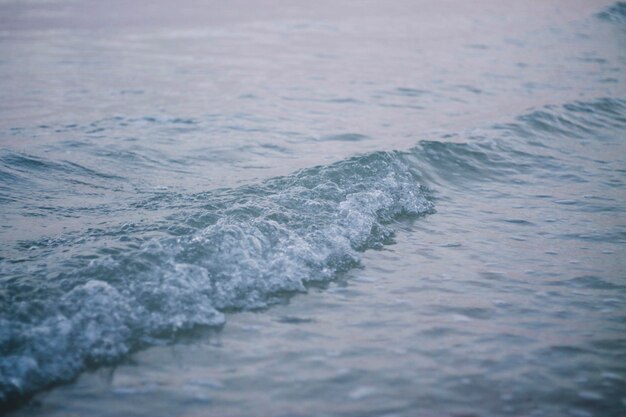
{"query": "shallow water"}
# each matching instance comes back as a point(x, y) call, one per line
point(354, 209)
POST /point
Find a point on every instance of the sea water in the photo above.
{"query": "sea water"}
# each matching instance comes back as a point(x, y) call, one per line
point(275, 208)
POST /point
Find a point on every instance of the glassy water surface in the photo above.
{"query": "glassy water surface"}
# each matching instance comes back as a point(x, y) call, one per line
point(328, 209)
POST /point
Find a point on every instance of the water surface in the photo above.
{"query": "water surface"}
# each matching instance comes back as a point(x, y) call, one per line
point(284, 209)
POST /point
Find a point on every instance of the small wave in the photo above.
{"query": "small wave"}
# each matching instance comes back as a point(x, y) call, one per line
point(574, 120)
point(257, 244)
point(346, 137)
point(614, 13)
point(31, 165)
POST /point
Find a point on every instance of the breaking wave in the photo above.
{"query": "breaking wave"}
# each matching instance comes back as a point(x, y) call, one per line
point(248, 247)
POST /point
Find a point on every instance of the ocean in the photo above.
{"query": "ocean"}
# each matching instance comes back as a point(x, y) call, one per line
point(335, 208)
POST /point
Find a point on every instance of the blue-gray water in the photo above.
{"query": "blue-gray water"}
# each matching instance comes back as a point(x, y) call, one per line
point(335, 209)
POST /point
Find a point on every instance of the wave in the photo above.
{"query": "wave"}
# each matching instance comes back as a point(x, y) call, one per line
point(614, 13)
point(599, 118)
point(20, 173)
point(253, 245)
point(249, 247)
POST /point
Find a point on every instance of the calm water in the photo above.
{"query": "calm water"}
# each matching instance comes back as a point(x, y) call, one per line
point(277, 208)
